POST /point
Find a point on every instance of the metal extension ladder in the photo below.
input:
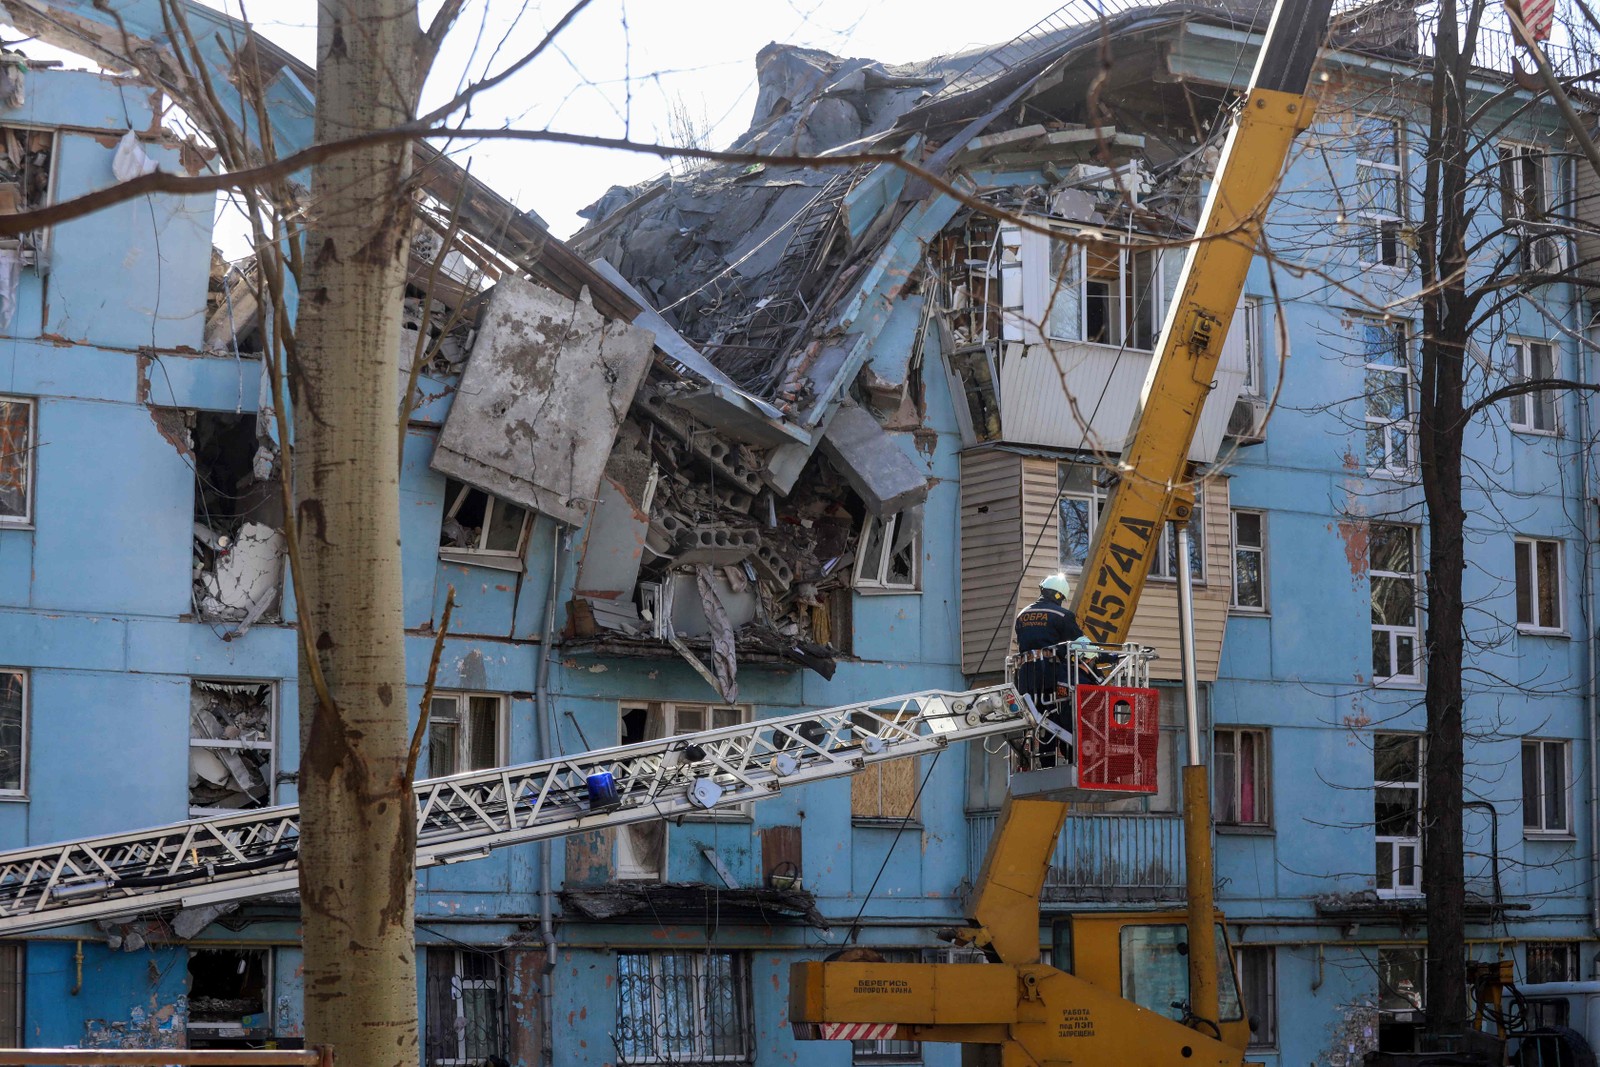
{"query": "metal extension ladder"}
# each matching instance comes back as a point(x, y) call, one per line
point(465, 816)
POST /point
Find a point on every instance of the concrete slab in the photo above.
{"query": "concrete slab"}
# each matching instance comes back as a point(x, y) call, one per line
point(548, 384)
point(882, 475)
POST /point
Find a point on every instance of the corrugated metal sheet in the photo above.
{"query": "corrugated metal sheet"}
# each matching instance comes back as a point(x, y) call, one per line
point(1588, 212)
point(991, 556)
point(1083, 396)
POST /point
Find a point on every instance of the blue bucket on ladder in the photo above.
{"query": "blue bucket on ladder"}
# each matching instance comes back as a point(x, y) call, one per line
point(602, 790)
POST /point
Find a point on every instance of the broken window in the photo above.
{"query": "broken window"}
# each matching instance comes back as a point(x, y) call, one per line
point(16, 460)
point(464, 733)
point(230, 746)
point(481, 528)
point(464, 998)
point(13, 732)
point(642, 847)
point(238, 516)
point(228, 997)
point(890, 549)
point(25, 160)
point(683, 1007)
point(1103, 293)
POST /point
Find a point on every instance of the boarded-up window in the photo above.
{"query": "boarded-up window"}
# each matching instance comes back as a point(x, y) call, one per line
point(886, 790)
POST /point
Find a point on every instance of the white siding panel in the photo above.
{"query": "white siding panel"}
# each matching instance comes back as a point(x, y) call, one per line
point(1084, 397)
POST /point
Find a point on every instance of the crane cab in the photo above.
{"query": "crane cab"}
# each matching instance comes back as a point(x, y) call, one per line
point(1142, 956)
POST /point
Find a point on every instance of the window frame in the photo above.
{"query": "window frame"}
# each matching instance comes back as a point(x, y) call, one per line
point(741, 1011)
point(459, 982)
point(1255, 377)
point(1403, 367)
point(1396, 632)
point(25, 685)
point(1573, 965)
point(879, 584)
point(1093, 500)
point(464, 735)
point(269, 746)
point(1532, 546)
point(1266, 1037)
point(1397, 891)
point(1058, 275)
point(1521, 414)
point(30, 452)
point(1166, 553)
point(497, 558)
point(1261, 779)
point(1372, 221)
point(1260, 551)
point(1537, 828)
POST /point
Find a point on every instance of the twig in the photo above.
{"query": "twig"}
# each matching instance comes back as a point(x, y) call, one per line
point(427, 689)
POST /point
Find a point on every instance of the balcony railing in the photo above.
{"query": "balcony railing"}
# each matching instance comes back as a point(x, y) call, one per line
point(1102, 858)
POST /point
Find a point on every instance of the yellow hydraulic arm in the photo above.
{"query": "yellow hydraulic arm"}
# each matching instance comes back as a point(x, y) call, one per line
point(1154, 483)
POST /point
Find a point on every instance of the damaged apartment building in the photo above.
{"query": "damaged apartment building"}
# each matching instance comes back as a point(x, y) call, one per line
point(757, 439)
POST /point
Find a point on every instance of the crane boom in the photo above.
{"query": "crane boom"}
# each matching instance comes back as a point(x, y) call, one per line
point(1154, 484)
point(465, 816)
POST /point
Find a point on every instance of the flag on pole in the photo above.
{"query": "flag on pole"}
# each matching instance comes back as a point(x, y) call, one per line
point(1537, 15)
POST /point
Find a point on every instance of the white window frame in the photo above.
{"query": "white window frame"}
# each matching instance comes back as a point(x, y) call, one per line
point(1514, 153)
point(498, 558)
point(30, 453)
point(24, 683)
point(269, 746)
point(1534, 823)
point(1410, 885)
point(1528, 547)
point(655, 1006)
point(463, 723)
point(873, 577)
point(1262, 779)
point(1405, 464)
point(1259, 550)
point(1073, 272)
point(1396, 632)
point(1163, 566)
point(1266, 1036)
point(628, 866)
point(1527, 229)
point(1249, 315)
point(1093, 501)
point(1374, 222)
point(1526, 410)
point(458, 983)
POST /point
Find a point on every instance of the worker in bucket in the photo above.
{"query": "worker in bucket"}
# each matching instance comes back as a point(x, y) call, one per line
point(1041, 628)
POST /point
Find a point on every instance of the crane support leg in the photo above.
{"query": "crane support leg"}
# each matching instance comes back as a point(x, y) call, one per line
point(1035, 1013)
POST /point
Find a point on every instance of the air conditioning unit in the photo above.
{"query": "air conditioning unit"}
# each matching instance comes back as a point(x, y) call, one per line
point(1247, 421)
point(1546, 253)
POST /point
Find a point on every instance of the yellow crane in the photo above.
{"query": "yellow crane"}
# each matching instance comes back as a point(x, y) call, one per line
point(1105, 1004)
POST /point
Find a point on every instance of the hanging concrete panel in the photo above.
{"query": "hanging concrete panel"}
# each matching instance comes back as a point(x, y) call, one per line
point(880, 473)
point(538, 408)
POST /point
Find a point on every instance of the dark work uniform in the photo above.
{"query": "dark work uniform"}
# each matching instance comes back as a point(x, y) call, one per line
point(1043, 624)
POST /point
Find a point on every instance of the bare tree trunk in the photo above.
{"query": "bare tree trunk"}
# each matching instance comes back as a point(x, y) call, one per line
point(358, 823)
point(1446, 320)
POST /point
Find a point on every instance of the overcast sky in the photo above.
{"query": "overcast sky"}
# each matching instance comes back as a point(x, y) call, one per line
point(622, 63)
